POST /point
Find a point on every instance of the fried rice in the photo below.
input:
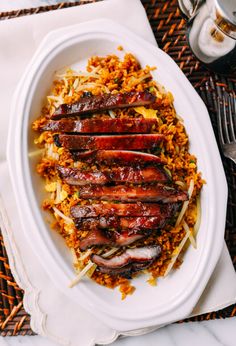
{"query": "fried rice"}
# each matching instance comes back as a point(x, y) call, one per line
point(111, 74)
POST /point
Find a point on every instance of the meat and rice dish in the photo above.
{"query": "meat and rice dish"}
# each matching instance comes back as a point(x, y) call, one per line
point(122, 186)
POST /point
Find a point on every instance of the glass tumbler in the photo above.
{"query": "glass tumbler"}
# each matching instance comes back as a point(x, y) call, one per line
point(211, 33)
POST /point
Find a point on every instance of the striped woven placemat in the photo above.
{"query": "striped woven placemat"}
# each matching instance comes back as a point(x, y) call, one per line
point(169, 29)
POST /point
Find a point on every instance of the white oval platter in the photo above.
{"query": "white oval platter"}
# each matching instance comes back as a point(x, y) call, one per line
point(175, 296)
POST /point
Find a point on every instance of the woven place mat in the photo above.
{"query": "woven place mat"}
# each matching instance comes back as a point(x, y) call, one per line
point(169, 29)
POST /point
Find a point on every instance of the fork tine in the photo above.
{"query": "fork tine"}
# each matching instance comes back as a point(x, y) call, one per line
point(224, 120)
point(219, 120)
point(233, 98)
point(231, 113)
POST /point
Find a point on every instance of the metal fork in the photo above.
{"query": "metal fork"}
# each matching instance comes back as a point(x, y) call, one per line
point(226, 118)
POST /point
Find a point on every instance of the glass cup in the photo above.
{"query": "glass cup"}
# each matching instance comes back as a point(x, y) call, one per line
point(211, 33)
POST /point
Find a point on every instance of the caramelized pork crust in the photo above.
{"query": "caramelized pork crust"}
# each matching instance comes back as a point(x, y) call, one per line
point(92, 104)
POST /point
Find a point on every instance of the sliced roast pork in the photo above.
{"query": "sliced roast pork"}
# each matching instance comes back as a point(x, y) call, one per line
point(120, 142)
point(74, 176)
point(117, 157)
point(119, 209)
point(99, 237)
point(92, 104)
point(119, 125)
point(129, 261)
point(149, 193)
point(124, 222)
point(138, 223)
point(126, 271)
point(95, 237)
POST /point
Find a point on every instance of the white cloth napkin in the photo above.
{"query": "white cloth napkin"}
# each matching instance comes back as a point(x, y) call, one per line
point(49, 308)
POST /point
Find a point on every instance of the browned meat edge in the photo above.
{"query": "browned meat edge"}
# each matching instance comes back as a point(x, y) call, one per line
point(136, 223)
point(88, 105)
point(129, 261)
point(126, 271)
point(149, 193)
point(99, 237)
point(117, 157)
point(120, 142)
point(74, 176)
point(119, 209)
point(124, 125)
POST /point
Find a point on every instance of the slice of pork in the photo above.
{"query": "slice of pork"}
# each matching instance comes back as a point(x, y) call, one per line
point(117, 157)
point(119, 142)
point(75, 176)
point(119, 209)
point(99, 125)
point(124, 193)
point(98, 237)
point(92, 104)
point(135, 255)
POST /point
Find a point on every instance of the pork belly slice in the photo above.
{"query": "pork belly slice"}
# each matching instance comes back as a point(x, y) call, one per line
point(132, 142)
point(137, 223)
point(124, 222)
point(98, 237)
point(127, 237)
point(88, 105)
point(138, 175)
point(119, 209)
point(87, 224)
point(146, 254)
point(117, 157)
point(126, 271)
point(124, 125)
point(95, 237)
point(74, 176)
point(145, 193)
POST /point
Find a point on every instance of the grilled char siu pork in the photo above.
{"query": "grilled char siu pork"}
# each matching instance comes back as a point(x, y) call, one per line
point(92, 104)
point(166, 212)
point(106, 125)
point(95, 237)
point(126, 271)
point(74, 176)
point(137, 223)
point(129, 261)
point(101, 237)
point(125, 193)
point(117, 157)
point(119, 209)
point(137, 188)
point(120, 142)
point(138, 255)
